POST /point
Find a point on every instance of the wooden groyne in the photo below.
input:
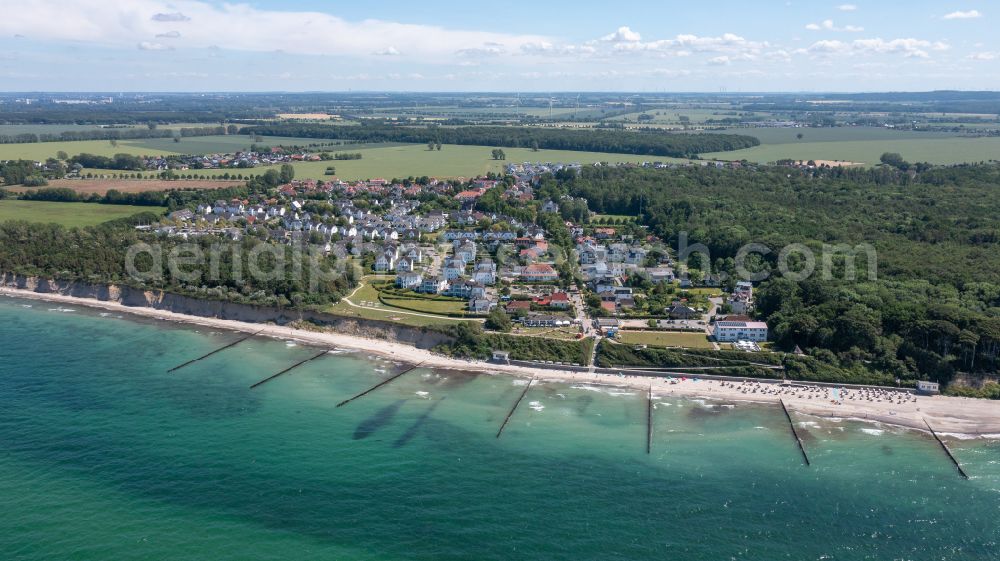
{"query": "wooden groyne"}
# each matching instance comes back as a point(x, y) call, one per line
point(378, 385)
point(795, 432)
point(289, 369)
point(514, 408)
point(649, 420)
point(947, 450)
point(219, 350)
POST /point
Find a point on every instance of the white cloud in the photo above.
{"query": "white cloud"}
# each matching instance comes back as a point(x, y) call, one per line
point(985, 55)
point(847, 7)
point(150, 46)
point(169, 35)
point(828, 25)
point(623, 35)
point(487, 50)
point(970, 14)
point(388, 51)
point(545, 48)
point(241, 27)
point(909, 47)
point(171, 17)
point(685, 45)
point(719, 60)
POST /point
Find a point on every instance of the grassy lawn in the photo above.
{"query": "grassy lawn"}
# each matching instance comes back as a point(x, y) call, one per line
point(665, 339)
point(68, 214)
point(614, 217)
point(426, 305)
point(365, 293)
point(862, 144)
point(705, 292)
point(388, 314)
point(368, 295)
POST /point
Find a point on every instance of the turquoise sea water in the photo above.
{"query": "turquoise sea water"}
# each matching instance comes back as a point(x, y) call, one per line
point(105, 456)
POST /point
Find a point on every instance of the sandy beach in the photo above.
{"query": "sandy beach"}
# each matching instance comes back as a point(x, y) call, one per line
point(964, 417)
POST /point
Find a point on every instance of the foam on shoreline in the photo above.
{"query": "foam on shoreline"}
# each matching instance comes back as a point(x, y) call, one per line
point(951, 416)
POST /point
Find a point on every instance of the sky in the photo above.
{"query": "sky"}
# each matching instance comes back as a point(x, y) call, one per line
point(511, 46)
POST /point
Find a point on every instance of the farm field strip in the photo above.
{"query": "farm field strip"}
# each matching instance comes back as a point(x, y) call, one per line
point(68, 214)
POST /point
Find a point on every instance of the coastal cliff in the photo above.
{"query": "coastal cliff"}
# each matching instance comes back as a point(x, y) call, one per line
point(181, 304)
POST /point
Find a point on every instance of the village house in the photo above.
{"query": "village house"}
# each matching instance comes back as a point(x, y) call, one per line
point(433, 285)
point(518, 307)
point(459, 288)
point(481, 305)
point(485, 272)
point(466, 252)
point(555, 300)
point(539, 272)
point(730, 331)
point(538, 320)
point(385, 261)
point(411, 281)
point(404, 265)
point(679, 310)
point(454, 268)
point(741, 300)
point(661, 274)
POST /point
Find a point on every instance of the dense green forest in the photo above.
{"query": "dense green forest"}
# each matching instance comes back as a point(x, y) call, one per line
point(114, 133)
point(934, 309)
point(651, 143)
point(98, 255)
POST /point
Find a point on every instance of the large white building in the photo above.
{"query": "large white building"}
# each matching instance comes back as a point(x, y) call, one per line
point(755, 331)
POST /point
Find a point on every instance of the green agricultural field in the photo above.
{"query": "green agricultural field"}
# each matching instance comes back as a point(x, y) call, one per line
point(451, 161)
point(672, 116)
point(68, 214)
point(487, 112)
point(166, 146)
point(862, 145)
point(45, 129)
point(665, 339)
point(41, 150)
point(229, 143)
point(833, 134)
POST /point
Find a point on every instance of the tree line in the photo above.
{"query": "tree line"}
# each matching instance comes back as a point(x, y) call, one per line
point(115, 134)
point(649, 143)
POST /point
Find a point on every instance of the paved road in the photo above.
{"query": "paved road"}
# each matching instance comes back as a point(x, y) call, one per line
point(714, 304)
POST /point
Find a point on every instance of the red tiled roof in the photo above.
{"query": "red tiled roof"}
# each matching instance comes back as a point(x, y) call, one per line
point(539, 268)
